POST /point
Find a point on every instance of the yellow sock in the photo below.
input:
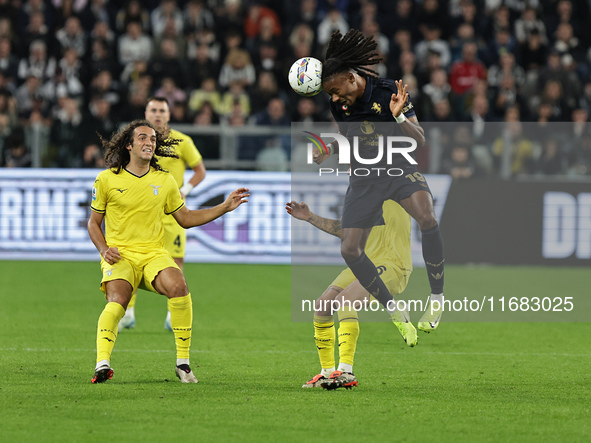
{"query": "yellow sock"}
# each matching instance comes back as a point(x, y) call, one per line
point(324, 336)
point(106, 333)
point(131, 303)
point(348, 335)
point(181, 319)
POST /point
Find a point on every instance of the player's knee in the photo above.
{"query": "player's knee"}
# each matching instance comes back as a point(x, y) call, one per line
point(350, 252)
point(426, 220)
point(177, 289)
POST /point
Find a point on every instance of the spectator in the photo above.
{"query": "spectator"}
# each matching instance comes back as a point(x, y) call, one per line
point(436, 90)
point(100, 119)
point(432, 43)
point(171, 92)
point(28, 10)
point(465, 72)
point(551, 160)
point(168, 10)
point(37, 64)
point(256, 15)
point(27, 93)
point(102, 32)
point(237, 68)
point(235, 96)
point(527, 24)
point(16, 154)
point(101, 59)
point(134, 45)
point(306, 111)
point(507, 96)
point(403, 18)
point(68, 134)
point(333, 21)
point(460, 164)
point(104, 85)
point(503, 42)
point(265, 90)
point(513, 145)
point(36, 30)
point(132, 12)
point(169, 64)
point(533, 52)
point(170, 32)
point(92, 157)
point(95, 11)
point(302, 34)
point(8, 61)
point(207, 93)
point(72, 36)
point(506, 66)
point(274, 115)
point(197, 17)
point(179, 113)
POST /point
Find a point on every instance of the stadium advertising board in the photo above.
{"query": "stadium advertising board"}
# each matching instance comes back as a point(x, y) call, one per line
point(518, 223)
point(43, 216)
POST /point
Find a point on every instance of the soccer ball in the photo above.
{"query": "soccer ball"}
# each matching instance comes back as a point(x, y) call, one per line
point(305, 76)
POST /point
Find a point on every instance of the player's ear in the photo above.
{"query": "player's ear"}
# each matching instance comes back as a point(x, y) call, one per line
point(350, 77)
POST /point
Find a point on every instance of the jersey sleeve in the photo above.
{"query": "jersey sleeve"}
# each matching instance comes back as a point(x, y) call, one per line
point(189, 153)
point(174, 202)
point(99, 194)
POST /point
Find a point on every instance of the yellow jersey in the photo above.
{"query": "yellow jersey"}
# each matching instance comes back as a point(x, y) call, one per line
point(392, 239)
point(188, 155)
point(134, 206)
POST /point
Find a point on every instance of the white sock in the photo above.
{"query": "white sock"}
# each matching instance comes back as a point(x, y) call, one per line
point(437, 297)
point(182, 361)
point(103, 363)
point(345, 367)
point(327, 371)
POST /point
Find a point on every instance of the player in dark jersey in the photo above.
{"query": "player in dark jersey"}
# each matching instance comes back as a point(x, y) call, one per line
point(368, 107)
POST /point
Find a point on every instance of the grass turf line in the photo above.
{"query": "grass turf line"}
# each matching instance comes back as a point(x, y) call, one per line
point(465, 382)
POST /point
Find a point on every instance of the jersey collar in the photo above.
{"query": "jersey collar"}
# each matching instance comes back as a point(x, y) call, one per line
point(369, 86)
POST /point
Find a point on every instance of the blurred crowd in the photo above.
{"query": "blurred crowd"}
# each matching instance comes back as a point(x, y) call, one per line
point(70, 69)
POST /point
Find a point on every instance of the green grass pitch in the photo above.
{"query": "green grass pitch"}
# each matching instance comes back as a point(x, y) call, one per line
point(472, 382)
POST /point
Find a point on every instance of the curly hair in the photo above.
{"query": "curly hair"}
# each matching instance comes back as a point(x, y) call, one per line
point(353, 52)
point(117, 155)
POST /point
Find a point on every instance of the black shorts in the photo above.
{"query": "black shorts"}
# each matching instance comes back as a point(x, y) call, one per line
point(363, 202)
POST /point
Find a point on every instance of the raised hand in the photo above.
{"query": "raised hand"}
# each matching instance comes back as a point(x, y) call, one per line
point(236, 198)
point(298, 210)
point(398, 100)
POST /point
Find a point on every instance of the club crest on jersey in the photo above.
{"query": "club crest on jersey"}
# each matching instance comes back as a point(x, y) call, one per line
point(376, 107)
point(156, 188)
point(344, 107)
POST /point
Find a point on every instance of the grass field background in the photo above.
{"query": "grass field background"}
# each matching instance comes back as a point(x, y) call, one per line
point(466, 382)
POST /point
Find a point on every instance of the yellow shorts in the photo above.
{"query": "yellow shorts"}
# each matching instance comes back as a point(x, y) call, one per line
point(138, 268)
point(175, 237)
point(393, 277)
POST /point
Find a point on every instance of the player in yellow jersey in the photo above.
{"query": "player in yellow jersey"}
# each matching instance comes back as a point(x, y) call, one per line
point(388, 246)
point(131, 196)
point(158, 113)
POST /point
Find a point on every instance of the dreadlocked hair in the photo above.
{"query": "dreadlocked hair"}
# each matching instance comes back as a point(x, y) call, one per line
point(117, 155)
point(353, 52)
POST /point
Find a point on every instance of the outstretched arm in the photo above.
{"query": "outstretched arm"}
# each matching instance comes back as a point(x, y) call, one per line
point(301, 211)
point(410, 126)
point(189, 218)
